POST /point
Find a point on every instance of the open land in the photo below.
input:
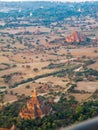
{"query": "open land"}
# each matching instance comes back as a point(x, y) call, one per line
point(35, 53)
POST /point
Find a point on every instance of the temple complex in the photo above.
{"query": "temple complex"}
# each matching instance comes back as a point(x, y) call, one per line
point(35, 108)
point(75, 37)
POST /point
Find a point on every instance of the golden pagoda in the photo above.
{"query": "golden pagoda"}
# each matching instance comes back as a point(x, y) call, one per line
point(34, 108)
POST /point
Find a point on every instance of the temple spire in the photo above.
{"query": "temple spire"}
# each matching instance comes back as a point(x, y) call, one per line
point(34, 93)
point(34, 108)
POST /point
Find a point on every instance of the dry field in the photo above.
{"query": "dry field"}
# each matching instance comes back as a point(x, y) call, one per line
point(40, 60)
point(23, 60)
point(87, 86)
point(94, 66)
point(54, 81)
point(24, 29)
point(79, 52)
point(81, 97)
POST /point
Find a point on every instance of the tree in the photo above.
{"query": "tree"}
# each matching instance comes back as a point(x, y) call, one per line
point(28, 86)
point(35, 69)
point(2, 98)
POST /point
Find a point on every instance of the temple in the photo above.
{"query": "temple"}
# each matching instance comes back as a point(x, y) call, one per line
point(34, 108)
point(75, 37)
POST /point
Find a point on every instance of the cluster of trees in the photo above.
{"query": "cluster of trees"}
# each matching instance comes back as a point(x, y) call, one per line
point(6, 66)
point(71, 89)
point(89, 74)
point(65, 112)
point(52, 66)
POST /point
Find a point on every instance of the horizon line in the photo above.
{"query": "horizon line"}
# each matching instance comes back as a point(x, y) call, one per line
point(63, 1)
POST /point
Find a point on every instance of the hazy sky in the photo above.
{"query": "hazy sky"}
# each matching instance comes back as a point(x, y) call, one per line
point(51, 0)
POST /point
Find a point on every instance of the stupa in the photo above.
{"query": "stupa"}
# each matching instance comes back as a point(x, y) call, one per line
point(35, 108)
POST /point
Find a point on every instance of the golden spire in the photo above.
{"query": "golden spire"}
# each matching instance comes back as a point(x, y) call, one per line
point(34, 93)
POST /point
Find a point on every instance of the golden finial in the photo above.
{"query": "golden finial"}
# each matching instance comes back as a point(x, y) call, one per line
point(34, 93)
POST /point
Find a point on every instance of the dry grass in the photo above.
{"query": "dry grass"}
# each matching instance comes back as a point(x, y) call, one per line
point(81, 97)
point(87, 86)
point(94, 66)
point(39, 58)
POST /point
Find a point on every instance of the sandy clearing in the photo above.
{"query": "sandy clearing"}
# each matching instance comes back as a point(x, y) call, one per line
point(94, 66)
point(81, 97)
point(87, 86)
